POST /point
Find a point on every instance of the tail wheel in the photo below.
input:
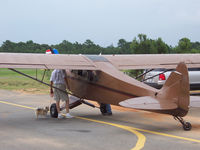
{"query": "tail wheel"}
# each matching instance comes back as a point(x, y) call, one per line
point(53, 111)
point(186, 125)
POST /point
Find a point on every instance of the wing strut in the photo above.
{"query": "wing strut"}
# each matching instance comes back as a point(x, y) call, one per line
point(39, 80)
point(81, 100)
point(157, 74)
point(144, 73)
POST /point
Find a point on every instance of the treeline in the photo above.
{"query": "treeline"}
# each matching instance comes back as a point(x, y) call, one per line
point(139, 45)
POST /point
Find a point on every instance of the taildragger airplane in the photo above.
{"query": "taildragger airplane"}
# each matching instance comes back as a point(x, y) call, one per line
point(98, 78)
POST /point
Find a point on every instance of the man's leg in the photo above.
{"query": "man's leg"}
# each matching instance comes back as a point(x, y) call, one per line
point(58, 106)
point(108, 108)
point(67, 106)
point(67, 109)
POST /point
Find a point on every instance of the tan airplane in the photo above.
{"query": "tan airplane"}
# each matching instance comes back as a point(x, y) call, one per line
point(98, 78)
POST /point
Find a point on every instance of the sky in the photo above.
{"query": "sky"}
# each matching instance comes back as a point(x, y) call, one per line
point(102, 21)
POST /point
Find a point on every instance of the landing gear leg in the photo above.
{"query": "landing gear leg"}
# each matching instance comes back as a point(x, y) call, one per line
point(186, 125)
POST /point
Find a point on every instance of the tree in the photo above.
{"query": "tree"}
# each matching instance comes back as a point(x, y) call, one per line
point(184, 46)
point(143, 45)
point(124, 46)
point(8, 46)
point(161, 47)
point(139, 45)
point(88, 43)
point(195, 45)
point(90, 48)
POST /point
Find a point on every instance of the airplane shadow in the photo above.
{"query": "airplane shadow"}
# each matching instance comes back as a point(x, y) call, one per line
point(157, 126)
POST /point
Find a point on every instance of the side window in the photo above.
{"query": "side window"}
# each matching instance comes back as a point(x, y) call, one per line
point(90, 75)
point(74, 71)
point(87, 74)
point(80, 72)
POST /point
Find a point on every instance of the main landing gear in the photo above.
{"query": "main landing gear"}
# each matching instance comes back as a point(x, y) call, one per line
point(73, 102)
point(186, 125)
point(53, 111)
point(104, 110)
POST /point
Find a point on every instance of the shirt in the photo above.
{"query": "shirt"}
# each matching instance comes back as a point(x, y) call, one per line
point(58, 76)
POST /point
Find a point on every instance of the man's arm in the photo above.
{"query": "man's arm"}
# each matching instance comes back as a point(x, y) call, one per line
point(65, 77)
point(66, 81)
point(51, 89)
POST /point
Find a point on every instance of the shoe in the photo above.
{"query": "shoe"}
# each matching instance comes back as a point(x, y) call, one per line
point(68, 116)
point(60, 116)
point(107, 114)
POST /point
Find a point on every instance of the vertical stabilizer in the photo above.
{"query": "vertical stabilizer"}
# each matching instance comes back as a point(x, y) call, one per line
point(176, 89)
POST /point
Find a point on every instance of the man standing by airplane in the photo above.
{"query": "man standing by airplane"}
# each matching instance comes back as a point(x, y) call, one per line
point(58, 79)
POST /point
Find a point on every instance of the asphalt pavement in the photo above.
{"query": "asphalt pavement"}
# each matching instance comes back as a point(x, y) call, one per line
point(125, 130)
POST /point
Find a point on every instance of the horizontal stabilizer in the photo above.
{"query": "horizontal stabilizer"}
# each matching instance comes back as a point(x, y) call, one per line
point(148, 103)
point(194, 101)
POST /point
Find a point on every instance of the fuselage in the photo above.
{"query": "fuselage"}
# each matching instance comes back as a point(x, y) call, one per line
point(105, 88)
point(109, 85)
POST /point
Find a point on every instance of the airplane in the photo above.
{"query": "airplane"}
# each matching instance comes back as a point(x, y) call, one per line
point(99, 78)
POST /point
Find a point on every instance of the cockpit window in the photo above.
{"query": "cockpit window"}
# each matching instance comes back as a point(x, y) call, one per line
point(87, 74)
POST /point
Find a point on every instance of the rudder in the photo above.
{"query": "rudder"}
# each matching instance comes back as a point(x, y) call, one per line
point(176, 89)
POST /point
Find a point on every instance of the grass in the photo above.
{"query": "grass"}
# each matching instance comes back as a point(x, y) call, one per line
point(10, 80)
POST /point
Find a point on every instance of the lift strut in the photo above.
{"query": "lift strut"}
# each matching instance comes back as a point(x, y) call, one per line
point(157, 74)
point(38, 80)
point(81, 100)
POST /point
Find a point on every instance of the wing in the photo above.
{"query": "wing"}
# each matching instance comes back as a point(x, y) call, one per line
point(88, 62)
point(148, 61)
point(45, 61)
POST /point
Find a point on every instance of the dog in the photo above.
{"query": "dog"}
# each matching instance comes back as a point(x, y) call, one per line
point(41, 111)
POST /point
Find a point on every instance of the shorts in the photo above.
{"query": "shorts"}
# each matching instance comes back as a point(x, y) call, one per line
point(60, 95)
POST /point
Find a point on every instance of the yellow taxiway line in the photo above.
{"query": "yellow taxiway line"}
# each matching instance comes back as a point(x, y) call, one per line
point(18, 105)
point(143, 130)
point(141, 137)
point(167, 135)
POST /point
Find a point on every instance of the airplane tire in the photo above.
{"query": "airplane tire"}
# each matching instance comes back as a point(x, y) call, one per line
point(187, 126)
point(103, 108)
point(53, 111)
